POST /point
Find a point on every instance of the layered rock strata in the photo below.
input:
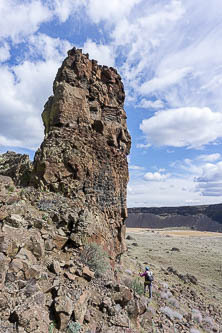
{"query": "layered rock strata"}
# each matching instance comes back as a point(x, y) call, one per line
point(84, 152)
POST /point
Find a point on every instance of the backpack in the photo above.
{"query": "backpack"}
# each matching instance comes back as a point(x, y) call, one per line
point(149, 276)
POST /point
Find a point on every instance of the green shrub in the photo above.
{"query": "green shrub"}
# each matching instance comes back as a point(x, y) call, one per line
point(51, 327)
point(137, 286)
point(74, 327)
point(95, 258)
point(11, 189)
point(45, 217)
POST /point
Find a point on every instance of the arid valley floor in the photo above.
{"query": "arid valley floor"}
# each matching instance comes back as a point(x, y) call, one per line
point(173, 253)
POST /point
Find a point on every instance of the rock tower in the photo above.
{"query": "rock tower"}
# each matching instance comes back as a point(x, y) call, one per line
point(84, 152)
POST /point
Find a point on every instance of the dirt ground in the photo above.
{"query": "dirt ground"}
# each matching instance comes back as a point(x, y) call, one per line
point(186, 251)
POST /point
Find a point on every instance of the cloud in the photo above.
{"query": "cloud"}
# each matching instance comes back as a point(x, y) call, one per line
point(21, 19)
point(202, 184)
point(146, 104)
point(206, 176)
point(135, 167)
point(152, 194)
point(209, 157)
point(110, 11)
point(64, 8)
point(211, 173)
point(4, 52)
point(42, 46)
point(183, 127)
point(165, 80)
point(26, 88)
point(169, 50)
point(142, 145)
point(102, 53)
point(155, 176)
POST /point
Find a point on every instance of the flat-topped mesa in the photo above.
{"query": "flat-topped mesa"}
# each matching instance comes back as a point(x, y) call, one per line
point(84, 153)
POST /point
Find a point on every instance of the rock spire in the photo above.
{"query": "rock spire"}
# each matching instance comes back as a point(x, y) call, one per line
point(84, 152)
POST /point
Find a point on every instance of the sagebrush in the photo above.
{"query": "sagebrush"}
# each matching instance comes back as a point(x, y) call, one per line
point(95, 258)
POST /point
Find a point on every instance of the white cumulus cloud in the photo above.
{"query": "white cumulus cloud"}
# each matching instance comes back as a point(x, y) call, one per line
point(184, 127)
point(22, 18)
point(111, 11)
point(26, 88)
point(210, 181)
point(155, 176)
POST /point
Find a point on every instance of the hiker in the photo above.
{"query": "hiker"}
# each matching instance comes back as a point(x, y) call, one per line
point(148, 280)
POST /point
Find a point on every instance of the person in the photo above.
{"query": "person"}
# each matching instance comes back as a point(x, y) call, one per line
point(148, 275)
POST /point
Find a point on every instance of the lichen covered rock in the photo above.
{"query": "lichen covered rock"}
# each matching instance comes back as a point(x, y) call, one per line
point(84, 151)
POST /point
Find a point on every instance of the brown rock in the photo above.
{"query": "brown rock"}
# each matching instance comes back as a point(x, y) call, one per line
point(70, 276)
point(15, 221)
point(59, 241)
point(49, 245)
point(36, 245)
point(80, 307)
point(5, 182)
point(26, 256)
point(123, 297)
point(137, 307)
point(64, 308)
point(56, 267)
point(8, 245)
point(33, 319)
point(84, 151)
point(33, 272)
point(16, 265)
point(3, 213)
point(87, 273)
point(16, 166)
point(63, 304)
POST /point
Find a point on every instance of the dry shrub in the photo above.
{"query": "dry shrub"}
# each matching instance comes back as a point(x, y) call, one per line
point(95, 258)
point(194, 330)
point(196, 316)
point(170, 313)
point(209, 321)
point(174, 302)
point(209, 324)
point(127, 281)
point(164, 285)
point(165, 294)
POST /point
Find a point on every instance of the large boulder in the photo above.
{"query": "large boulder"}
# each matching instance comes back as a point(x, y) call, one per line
point(84, 152)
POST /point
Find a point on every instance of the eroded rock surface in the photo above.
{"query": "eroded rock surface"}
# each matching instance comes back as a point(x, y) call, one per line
point(16, 166)
point(84, 151)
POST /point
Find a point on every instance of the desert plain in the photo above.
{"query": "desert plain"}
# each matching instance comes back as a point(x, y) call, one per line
point(176, 253)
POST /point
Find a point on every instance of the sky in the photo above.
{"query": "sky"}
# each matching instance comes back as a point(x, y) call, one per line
point(169, 55)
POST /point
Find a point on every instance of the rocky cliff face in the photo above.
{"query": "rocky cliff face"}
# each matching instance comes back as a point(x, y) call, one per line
point(84, 151)
point(203, 218)
point(46, 285)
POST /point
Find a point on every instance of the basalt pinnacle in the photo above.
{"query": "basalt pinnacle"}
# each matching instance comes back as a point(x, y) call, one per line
point(84, 152)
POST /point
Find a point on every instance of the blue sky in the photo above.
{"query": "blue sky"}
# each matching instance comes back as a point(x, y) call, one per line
point(169, 54)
